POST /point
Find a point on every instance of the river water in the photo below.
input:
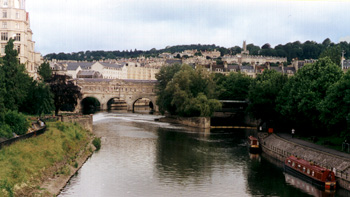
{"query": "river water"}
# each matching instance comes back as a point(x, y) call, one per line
point(142, 157)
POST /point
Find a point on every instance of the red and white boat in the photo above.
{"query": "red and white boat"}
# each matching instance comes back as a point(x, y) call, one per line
point(310, 172)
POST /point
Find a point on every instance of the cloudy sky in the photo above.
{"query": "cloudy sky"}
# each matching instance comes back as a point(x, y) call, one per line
point(80, 25)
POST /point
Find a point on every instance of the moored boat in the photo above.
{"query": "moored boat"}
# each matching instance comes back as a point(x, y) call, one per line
point(253, 143)
point(310, 172)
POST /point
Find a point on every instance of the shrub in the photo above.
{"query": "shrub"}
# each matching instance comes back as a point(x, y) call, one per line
point(17, 122)
point(5, 131)
point(97, 143)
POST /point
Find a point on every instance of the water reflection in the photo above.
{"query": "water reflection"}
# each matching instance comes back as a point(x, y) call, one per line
point(142, 157)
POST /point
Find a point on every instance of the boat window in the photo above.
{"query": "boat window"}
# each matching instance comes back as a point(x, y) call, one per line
point(299, 166)
point(308, 171)
point(313, 173)
point(304, 169)
point(293, 164)
point(288, 161)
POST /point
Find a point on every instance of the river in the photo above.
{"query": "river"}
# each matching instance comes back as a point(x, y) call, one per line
point(142, 157)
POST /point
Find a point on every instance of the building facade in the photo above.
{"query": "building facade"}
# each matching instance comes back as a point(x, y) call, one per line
point(15, 24)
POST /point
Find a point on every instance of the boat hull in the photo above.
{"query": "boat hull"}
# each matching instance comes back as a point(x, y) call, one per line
point(323, 185)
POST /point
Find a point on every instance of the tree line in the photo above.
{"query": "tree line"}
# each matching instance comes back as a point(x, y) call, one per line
point(315, 101)
point(20, 94)
point(291, 50)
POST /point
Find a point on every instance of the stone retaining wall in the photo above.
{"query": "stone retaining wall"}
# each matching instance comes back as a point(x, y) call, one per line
point(280, 149)
point(85, 121)
point(199, 122)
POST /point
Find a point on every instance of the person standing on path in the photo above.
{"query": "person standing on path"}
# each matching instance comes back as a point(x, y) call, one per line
point(293, 132)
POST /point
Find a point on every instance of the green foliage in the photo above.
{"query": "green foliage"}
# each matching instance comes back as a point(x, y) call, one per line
point(17, 122)
point(263, 93)
point(235, 86)
point(97, 143)
point(335, 108)
point(301, 98)
point(39, 99)
point(65, 92)
point(5, 131)
point(14, 79)
point(45, 71)
point(164, 76)
point(334, 53)
point(186, 92)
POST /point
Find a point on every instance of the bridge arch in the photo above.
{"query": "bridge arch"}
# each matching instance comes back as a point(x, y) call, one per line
point(143, 104)
point(117, 103)
point(90, 104)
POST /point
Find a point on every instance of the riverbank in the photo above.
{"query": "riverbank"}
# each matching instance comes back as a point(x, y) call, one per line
point(44, 164)
point(280, 148)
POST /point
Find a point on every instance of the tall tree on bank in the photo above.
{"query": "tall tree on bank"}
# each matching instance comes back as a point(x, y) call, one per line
point(15, 79)
point(45, 71)
point(263, 93)
point(65, 92)
point(301, 97)
point(188, 93)
point(164, 76)
point(335, 108)
point(39, 99)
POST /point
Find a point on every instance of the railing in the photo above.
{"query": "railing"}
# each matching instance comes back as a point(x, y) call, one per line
point(22, 137)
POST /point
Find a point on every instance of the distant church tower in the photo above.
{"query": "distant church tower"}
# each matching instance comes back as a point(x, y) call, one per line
point(245, 51)
point(15, 24)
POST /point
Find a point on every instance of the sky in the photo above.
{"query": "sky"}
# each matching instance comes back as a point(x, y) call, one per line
point(81, 25)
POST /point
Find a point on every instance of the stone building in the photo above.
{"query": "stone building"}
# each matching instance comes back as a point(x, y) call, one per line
point(15, 24)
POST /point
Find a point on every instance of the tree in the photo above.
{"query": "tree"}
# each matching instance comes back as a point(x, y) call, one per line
point(335, 108)
point(263, 93)
point(2, 93)
point(65, 92)
point(188, 93)
point(235, 86)
point(266, 46)
point(302, 95)
point(15, 79)
point(164, 76)
point(334, 53)
point(198, 53)
point(45, 71)
point(39, 99)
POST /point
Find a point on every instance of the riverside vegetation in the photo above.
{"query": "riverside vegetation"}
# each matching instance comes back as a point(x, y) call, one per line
point(26, 164)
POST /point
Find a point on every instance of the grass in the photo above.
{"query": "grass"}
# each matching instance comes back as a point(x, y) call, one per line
point(23, 164)
point(333, 142)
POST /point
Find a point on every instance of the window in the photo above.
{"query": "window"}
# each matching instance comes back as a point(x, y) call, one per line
point(3, 48)
point(18, 37)
point(4, 25)
point(17, 26)
point(17, 15)
point(18, 48)
point(5, 3)
point(4, 36)
point(4, 14)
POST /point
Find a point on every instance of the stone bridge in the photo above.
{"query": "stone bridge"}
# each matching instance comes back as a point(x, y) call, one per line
point(130, 91)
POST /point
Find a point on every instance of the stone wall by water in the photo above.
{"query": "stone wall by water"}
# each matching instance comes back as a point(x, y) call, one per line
point(84, 120)
point(199, 122)
point(280, 149)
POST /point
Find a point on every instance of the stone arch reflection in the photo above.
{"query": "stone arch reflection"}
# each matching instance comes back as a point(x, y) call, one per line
point(117, 104)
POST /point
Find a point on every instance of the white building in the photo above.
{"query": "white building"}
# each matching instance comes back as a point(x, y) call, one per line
point(14, 23)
